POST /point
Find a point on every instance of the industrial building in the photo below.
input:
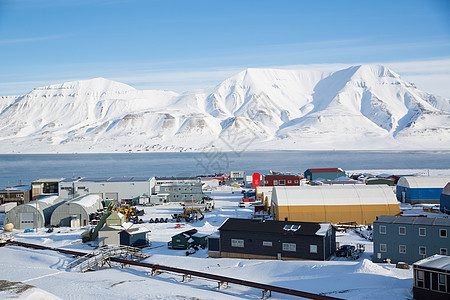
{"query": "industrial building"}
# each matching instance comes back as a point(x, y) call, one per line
point(159, 181)
point(76, 212)
point(245, 238)
point(421, 189)
point(45, 187)
point(324, 173)
point(409, 239)
point(281, 180)
point(360, 204)
point(25, 216)
point(432, 278)
point(182, 192)
point(20, 194)
point(237, 176)
point(445, 199)
point(108, 188)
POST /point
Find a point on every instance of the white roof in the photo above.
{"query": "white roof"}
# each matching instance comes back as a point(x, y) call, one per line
point(415, 182)
point(323, 229)
point(436, 261)
point(88, 200)
point(333, 195)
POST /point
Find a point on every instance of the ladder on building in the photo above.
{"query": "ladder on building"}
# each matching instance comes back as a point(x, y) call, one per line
point(101, 257)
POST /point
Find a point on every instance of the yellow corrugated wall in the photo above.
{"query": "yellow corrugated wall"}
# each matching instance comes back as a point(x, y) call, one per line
point(361, 214)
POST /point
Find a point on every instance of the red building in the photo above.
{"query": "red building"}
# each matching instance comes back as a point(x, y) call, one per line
point(281, 180)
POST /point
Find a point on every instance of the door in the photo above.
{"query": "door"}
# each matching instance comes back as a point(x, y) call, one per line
point(112, 196)
point(75, 221)
point(27, 220)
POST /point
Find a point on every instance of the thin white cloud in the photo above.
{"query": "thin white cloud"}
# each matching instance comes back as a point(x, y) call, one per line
point(30, 39)
point(431, 76)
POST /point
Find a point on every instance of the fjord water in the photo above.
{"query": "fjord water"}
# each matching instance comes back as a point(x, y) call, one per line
point(25, 168)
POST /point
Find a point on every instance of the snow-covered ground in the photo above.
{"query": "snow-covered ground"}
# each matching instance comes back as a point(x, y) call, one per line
point(46, 270)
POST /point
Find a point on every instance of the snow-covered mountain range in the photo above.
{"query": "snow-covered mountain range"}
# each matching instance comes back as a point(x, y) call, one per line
point(361, 107)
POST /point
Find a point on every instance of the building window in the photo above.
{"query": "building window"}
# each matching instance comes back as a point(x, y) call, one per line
point(296, 181)
point(402, 230)
point(422, 231)
point(442, 282)
point(237, 243)
point(383, 248)
point(312, 248)
point(266, 182)
point(289, 247)
point(282, 182)
point(443, 251)
point(266, 243)
point(289, 181)
point(402, 249)
point(443, 233)
point(275, 182)
point(382, 229)
point(422, 250)
point(419, 279)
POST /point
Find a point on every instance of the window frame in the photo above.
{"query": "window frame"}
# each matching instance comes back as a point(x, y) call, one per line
point(380, 231)
point(237, 243)
point(425, 231)
point(400, 249)
point(400, 228)
point(425, 250)
point(442, 252)
point(311, 247)
point(291, 247)
point(267, 244)
point(384, 250)
point(441, 230)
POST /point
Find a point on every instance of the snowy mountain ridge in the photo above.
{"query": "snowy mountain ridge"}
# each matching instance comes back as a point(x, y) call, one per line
point(361, 107)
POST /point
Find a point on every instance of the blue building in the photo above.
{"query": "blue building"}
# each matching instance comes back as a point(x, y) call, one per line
point(445, 199)
point(409, 239)
point(421, 189)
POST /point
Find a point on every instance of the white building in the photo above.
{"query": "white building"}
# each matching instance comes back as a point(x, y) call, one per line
point(108, 188)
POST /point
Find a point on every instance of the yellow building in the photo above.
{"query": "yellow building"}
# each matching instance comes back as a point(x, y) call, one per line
point(335, 204)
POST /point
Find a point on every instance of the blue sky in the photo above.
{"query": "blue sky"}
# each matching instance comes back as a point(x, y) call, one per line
point(181, 45)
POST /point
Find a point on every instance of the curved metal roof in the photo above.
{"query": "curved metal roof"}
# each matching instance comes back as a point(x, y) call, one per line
point(333, 195)
point(415, 182)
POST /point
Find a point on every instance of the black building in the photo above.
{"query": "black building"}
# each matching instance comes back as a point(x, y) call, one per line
point(245, 238)
point(432, 278)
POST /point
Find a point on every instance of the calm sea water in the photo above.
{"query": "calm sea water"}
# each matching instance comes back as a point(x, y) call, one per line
point(26, 168)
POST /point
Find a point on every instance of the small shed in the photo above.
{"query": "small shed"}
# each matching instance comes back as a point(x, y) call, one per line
point(181, 240)
point(118, 235)
point(116, 218)
point(76, 212)
point(432, 278)
point(38, 212)
point(421, 189)
point(445, 199)
point(323, 173)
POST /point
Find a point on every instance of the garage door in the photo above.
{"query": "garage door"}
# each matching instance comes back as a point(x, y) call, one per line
point(27, 220)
